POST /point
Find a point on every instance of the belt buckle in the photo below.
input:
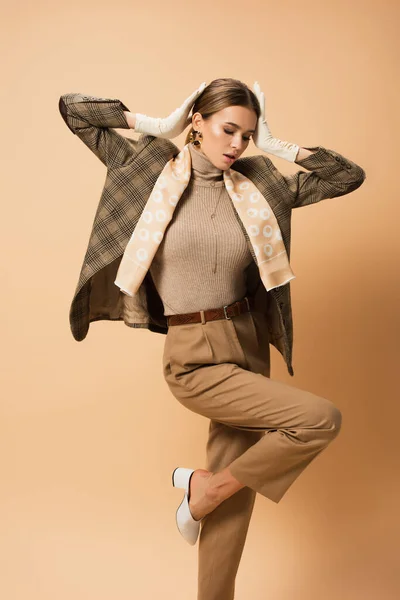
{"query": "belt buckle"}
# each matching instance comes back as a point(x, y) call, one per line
point(226, 316)
point(235, 304)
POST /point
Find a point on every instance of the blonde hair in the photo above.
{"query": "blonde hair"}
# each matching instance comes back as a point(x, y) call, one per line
point(221, 93)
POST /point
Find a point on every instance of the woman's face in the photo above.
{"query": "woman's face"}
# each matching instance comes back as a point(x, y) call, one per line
point(227, 132)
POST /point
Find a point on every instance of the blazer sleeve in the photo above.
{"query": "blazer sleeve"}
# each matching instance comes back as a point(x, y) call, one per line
point(92, 118)
point(331, 175)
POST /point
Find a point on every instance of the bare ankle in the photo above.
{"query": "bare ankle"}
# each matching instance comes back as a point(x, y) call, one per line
point(222, 485)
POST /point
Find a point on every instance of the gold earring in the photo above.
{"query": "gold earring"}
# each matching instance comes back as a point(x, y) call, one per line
point(192, 138)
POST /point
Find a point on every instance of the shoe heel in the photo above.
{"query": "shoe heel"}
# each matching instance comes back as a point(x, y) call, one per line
point(181, 478)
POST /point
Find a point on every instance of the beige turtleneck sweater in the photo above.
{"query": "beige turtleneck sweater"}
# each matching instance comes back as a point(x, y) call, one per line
point(201, 260)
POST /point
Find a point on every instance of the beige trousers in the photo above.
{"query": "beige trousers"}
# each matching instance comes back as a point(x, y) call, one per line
point(266, 430)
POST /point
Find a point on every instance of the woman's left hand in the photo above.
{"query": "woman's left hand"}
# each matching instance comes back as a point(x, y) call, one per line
point(263, 138)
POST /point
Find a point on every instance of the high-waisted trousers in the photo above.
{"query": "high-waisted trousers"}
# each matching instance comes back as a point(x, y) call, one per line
point(266, 431)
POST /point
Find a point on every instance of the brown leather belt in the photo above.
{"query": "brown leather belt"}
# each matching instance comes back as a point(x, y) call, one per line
point(225, 312)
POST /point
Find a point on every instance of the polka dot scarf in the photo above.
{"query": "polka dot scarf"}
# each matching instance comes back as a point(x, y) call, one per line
point(251, 206)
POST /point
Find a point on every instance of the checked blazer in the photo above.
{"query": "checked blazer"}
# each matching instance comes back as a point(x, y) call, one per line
point(133, 167)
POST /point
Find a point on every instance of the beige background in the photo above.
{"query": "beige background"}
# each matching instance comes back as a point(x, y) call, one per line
point(89, 432)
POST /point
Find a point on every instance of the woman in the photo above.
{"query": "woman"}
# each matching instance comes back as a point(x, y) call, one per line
point(262, 433)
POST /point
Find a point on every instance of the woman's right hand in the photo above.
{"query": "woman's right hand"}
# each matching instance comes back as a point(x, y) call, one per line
point(174, 124)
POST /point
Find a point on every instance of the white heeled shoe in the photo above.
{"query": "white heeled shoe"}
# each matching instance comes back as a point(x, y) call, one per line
point(187, 525)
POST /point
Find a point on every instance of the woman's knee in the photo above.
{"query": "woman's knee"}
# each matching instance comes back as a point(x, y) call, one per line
point(333, 418)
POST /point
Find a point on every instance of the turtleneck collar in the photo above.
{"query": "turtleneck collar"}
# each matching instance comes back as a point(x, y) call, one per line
point(204, 172)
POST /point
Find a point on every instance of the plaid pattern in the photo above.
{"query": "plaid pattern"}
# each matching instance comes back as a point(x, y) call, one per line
point(132, 170)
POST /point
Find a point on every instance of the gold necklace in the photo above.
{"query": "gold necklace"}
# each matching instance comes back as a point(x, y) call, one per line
point(212, 216)
point(215, 208)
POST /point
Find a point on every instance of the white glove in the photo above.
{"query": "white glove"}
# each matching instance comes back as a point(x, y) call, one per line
point(170, 126)
point(263, 138)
